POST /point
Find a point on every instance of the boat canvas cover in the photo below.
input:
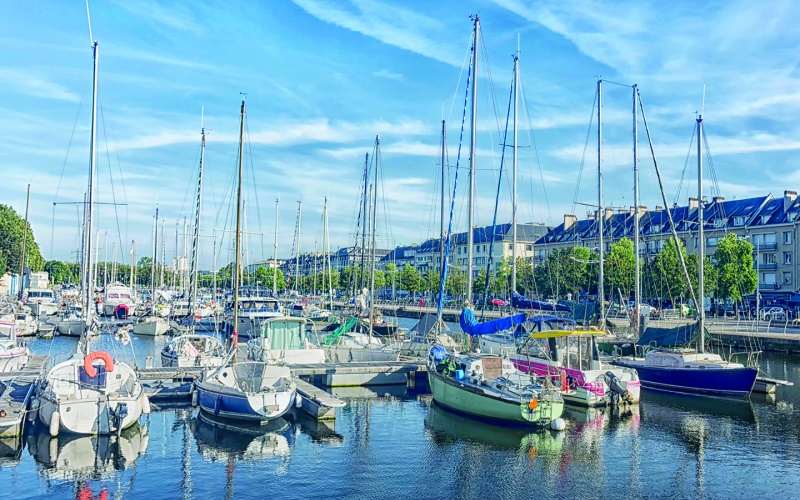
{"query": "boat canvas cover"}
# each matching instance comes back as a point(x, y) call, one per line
point(520, 302)
point(584, 312)
point(427, 326)
point(471, 326)
point(340, 330)
point(670, 337)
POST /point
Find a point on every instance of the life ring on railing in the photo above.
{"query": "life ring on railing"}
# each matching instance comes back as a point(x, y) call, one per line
point(91, 371)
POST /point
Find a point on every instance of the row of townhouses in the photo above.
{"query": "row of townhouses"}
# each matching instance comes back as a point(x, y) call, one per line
point(770, 223)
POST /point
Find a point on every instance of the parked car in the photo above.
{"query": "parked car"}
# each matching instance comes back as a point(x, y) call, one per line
point(773, 314)
point(498, 302)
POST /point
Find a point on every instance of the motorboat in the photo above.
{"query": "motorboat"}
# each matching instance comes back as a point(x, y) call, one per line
point(115, 296)
point(490, 387)
point(283, 340)
point(255, 307)
point(42, 301)
point(91, 394)
point(13, 354)
point(344, 345)
point(193, 350)
point(151, 325)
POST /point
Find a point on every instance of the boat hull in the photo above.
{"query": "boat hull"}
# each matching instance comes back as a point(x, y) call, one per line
point(225, 402)
point(728, 382)
point(455, 395)
point(343, 354)
point(90, 415)
point(152, 328)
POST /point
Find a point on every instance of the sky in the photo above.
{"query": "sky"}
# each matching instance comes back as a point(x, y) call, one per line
point(323, 78)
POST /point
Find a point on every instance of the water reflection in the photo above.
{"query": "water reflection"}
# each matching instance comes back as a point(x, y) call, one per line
point(10, 450)
point(70, 457)
point(222, 439)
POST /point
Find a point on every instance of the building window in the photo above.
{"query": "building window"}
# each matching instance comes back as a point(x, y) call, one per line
point(719, 222)
point(787, 237)
point(738, 221)
point(787, 257)
point(787, 277)
point(528, 248)
point(769, 278)
point(769, 258)
point(765, 219)
point(511, 246)
point(712, 242)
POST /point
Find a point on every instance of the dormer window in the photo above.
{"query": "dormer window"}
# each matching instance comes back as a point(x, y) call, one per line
point(719, 222)
point(765, 219)
point(738, 221)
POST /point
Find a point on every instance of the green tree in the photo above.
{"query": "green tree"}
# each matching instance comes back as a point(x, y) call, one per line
point(60, 272)
point(12, 229)
point(266, 278)
point(736, 275)
point(456, 284)
point(392, 274)
point(620, 268)
point(479, 283)
point(431, 281)
point(411, 279)
point(665, 275)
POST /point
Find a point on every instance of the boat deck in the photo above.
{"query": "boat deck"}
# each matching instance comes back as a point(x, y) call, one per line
point(16, 392)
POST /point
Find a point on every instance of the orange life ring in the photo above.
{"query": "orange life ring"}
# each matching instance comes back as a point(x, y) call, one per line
point(91, 371)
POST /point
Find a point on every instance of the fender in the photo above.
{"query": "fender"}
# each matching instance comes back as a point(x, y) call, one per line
point(91, 371)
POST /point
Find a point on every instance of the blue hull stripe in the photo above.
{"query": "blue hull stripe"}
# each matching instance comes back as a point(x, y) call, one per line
point(713, 382)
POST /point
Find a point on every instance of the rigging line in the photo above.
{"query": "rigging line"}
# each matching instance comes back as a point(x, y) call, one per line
point(444, 266)
point(111, 176)
point(617, 83)
point(497, 201)
point(685, 167)
point(122, 180)
point(461, 73)
point(63, 167)
point(253, 174)
point(583, 158)
point(488, 72)
point(532, 138)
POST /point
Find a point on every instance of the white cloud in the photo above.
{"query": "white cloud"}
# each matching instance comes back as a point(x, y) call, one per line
point(389, 75)
point(25, 82)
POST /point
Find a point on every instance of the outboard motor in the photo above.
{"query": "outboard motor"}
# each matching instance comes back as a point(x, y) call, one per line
point(617, 391)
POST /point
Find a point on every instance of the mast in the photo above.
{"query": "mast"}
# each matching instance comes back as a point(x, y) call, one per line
point(472, 147)
point(275, 254)
point(90, 193)
point(238, 237)
point(297, 286)
point(638, 285)
point(196, 236)
point(364, 225)
point(96, 258)
point(155, 257)
point(601, 213)
point(114, 264)
point(163, 252)
point(700, 302)
point(326, 249)
point(105, 259)
point(514, 178)
point(133, 264)
point(441, 230)
point(373, 226)
point(185, 252)
point(24, 248)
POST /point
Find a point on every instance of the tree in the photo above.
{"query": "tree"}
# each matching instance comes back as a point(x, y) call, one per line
point(266, 278)
point(566, 270)
point(665, 276)
point(620, 267)
point(60, 272)
point(411, 279)
point(736, 275)
point(431, 281)
point(456, 282)
point(391, 274)
point(479, 283)
point(12, 229)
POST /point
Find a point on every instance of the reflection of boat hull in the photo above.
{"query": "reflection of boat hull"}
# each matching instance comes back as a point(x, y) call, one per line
point(730, 382)
point(218, 438)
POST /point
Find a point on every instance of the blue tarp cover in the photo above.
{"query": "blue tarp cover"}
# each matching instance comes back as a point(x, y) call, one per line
point(471, 326)
point(670, 337)
point(520, 302)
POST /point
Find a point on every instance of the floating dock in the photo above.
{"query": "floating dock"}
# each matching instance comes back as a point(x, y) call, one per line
point(16, 391)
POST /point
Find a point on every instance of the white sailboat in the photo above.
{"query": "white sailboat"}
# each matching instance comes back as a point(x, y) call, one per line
point(91, 393)
point(251, 391)
point(13, 355)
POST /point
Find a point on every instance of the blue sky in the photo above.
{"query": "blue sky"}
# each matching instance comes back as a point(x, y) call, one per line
point(323, 77)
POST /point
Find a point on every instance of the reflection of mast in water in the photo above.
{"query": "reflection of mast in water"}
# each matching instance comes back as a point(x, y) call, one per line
point(186, 456)
point(230, 468)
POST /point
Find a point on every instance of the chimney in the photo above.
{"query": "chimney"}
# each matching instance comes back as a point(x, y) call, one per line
point(609, 212)
point(719, 199)
point(693, 203)
point(788, 199)
point(569, 220)
point(659, 208)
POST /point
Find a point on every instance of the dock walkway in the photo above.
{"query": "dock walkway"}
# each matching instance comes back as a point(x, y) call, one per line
point(16, 391)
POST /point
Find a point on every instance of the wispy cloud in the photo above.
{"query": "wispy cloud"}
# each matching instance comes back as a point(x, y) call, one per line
point(24, 82)
point(387, 23)
point(389, 75)
point(170, 15)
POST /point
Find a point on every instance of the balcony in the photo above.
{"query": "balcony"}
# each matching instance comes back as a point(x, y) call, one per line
point(767, 267)
point(769, 286)
point(761, 247)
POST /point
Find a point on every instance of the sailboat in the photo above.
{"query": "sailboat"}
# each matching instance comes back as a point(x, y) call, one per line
point(91, 393)
point(673, 365)
point(13, 355)
point(484, 385)
point(254, 391)
point(153, 324)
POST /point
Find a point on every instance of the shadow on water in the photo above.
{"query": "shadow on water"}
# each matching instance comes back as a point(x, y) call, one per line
point(222, 439)
point(671, 407)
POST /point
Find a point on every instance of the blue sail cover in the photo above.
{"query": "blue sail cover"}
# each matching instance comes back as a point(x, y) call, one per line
point(670, 337)
point(471, 326)
point(520, 302)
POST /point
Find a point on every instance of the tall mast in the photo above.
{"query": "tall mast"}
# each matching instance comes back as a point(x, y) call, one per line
point(96, 258)
point(163, 252)
point(196, 237)
point(441, 230)
point(601, 213)
point(105, 259)
point(297, 256)
point(90, 192)
point(326, 249)
point(365, 199)
point(24, 247)
point(700, 302)
point(238, 236)
point(514, 178)
point(472, 147)
point(372, 249)
point(154, 265)
point(638, 285)
point(275, 253)
point(185, 252)
point(133, 264)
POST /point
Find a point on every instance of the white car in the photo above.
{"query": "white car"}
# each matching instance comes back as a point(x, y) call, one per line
point(773, 314)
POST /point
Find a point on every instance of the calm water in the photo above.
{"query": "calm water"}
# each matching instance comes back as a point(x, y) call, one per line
point(391, 443)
